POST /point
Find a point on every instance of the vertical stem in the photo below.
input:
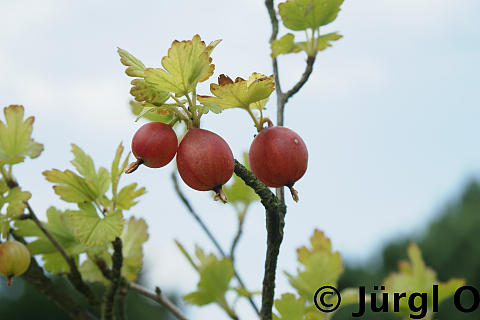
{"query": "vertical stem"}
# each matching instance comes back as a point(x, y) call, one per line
point(109, 298)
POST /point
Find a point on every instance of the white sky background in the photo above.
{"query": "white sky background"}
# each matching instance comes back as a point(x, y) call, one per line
point(390, 115)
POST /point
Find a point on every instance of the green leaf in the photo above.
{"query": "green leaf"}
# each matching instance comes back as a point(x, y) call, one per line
point(84, 165)
point(15, 198)
point(70, 186)
point(127, 195)
point(238, 191)
point(117, 169)
point(58, 225)
point(133, 237)
point(15, 140)
point(88, 187)
point(146, 92)
point(289, 308)
point(285, 44)
point(188, 62)
point(4, 226)
point(92, 230)
point(253, 92)
point(415, 276)
point(205, 107)
point(152, 114)
point(242, 292)
point(215, 277)
point(324, 41)
point(321, 266)
point(308, 14)
point(135, 66)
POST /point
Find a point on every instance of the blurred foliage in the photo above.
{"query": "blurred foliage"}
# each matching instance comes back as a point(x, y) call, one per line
point(14, 299)
point(449, 245)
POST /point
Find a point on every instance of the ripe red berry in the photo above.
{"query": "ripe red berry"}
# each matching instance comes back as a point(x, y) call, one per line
point(14, 259)
point(278, 157)
point(205, 161)
point(154, 145)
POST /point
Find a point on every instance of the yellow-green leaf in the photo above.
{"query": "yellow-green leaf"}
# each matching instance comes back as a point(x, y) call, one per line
point(92, 230)
point(133, 237)
point(415, 277)
point(127, 195)
point(321, 266)
point(215, 276)
point(188, 62)
point(308, 14)
point(285, 44)
point(15, 198)
point(324, 41)
point(135, 66)
point(289, 308)
point(152, 114)
point(70, 186)
point(146, 92)
point(84, 165)
point(15, 137)
point(252, 93)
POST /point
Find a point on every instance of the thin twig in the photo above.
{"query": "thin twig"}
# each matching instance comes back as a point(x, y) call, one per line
point(306, 74)
point(209, 235)
point(159, 297)
point(274, 21)
point(238, 234)
point(275, 212)
point(35, 276)
point(109, 298)
point(74, 275)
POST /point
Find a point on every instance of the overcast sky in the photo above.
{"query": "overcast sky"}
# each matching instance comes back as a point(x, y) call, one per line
point(390, 115)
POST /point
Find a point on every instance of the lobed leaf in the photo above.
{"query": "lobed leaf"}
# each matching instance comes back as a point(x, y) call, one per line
point(215, 276)
point(321, 266)
point(146, 92)
point(308, 14)
point(127, 195)
point(15, 137)
point(324, 41)
point(92, 230)
point(133, 237)
point(285, 44)
point(151, 113)
point(135, 66)
point(70, 186)
point(289, 308)
point(188, 62)
point(252, 93)
point(415, 276)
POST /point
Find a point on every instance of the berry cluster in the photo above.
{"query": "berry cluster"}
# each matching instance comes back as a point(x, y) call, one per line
point(278, 156)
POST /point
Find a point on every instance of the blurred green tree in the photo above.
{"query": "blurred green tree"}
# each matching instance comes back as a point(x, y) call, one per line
point(21, 301)
point(449, 245)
